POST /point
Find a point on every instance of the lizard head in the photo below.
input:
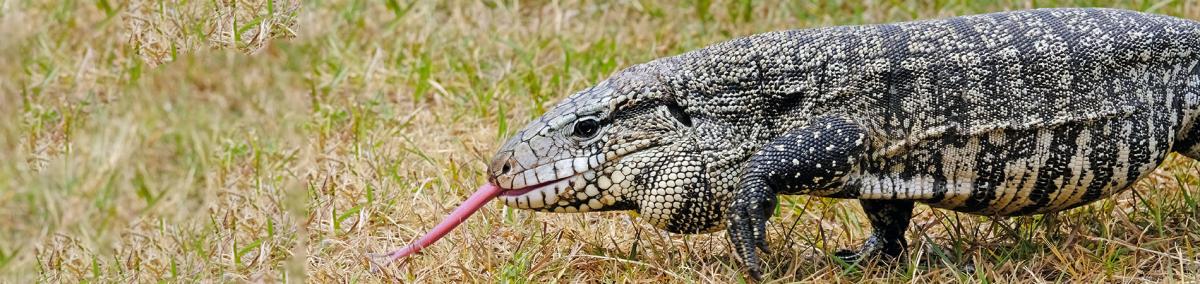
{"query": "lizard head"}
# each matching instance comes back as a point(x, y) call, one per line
point(628, 143)
point(625, 144)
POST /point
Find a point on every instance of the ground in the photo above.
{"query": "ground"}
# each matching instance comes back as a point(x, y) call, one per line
point(234, 141)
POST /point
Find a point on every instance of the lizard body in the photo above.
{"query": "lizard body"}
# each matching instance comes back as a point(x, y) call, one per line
point(1001, 114)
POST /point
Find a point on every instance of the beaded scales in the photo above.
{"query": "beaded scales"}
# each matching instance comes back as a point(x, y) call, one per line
point(1001, 114)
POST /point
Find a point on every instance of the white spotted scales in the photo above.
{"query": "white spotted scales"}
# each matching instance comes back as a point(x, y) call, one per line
point(1000, 114)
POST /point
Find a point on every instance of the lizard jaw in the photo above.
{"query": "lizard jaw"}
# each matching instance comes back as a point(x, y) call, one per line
point(537, 196)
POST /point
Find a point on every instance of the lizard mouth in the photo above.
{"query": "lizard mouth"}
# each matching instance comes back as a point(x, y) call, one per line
point(536, 196)
point(527, 189)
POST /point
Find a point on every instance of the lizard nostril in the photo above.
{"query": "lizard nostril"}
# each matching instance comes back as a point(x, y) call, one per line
point(502, 164)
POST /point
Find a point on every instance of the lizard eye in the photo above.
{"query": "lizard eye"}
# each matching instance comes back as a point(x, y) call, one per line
point(587, 128)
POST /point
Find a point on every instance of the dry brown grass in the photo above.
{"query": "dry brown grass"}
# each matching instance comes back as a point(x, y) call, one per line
point(231, 141)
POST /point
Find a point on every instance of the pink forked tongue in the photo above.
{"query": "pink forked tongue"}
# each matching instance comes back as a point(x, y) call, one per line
point(485, 193)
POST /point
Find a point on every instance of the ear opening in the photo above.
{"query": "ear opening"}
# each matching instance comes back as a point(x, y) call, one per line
point(679, 113)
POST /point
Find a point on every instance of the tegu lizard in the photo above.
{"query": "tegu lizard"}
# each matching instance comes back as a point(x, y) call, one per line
point(1002, 114)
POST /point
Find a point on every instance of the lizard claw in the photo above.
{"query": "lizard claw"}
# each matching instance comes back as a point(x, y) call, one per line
point(748, 228)
point(875, 248)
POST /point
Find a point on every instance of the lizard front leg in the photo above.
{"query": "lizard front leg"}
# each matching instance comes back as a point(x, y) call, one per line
point(804, 160)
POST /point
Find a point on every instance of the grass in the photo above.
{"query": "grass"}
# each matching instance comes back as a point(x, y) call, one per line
point(247, 141)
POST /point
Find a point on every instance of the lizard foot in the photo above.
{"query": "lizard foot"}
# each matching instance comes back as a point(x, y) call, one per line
point(872, 249)
point(748, 229)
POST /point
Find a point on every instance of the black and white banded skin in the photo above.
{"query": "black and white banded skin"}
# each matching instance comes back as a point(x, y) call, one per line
point(1003, 114)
